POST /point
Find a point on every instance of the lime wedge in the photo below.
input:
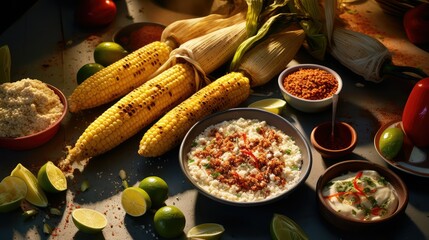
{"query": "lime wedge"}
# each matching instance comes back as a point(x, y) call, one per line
point(135, 201)
point(5, 63)
point(35, 194)
point(12, 191)
point(89, 220)
point(206, 231)
point(274, 105)
point(285, 228)
point(51, 178)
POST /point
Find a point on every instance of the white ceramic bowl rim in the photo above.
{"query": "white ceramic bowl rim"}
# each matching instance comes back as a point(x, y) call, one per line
point(295, 68)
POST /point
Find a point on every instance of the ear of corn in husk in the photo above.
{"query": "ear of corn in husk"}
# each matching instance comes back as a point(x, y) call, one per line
point(132, 113)
point(285, 19)
point(225, 92)
point(209, 51)
point(184, 30)
point(316, 42)
point(119, 78)
point(269, 57)
point(362, 54)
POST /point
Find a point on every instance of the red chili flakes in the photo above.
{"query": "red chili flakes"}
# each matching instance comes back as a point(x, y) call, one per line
point(311, 84)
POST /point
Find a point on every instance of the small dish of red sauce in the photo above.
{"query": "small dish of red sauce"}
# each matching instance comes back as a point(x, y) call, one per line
point(342, 144)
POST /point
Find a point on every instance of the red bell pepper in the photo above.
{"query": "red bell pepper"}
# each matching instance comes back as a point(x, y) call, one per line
point(416, 24)
point(415, 117)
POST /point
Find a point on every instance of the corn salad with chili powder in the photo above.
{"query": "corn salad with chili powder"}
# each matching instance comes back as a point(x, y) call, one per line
point(311, 84)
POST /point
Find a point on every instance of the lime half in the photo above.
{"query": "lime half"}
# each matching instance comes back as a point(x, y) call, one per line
point(51, 178)
point(5, 63)
point(285, 228)
point(12, 191)
point(206, 231)
point(35, 194)
point(135, 201)
point(274, 105)
point(89, 220)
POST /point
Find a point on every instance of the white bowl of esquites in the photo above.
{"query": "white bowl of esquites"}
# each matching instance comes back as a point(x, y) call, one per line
point(245, 157)
point(32, 112)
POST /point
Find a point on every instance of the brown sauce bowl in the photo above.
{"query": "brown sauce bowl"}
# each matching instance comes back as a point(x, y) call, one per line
point(342, 144)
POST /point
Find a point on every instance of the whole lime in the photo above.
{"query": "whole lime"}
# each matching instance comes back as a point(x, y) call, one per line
point(169, 221)
point(391, 141)
point(87, 71)
point(106, 53)
point(157, 189)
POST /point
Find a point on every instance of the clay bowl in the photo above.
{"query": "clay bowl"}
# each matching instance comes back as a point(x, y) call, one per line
point(39, 138)
point(343, 143)
point(137, 35)
point(348, 223)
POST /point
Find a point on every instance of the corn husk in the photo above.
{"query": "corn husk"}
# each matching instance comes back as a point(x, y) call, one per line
point(208, 52)
point(182, 31)
point(362, 54)
point(269, 57)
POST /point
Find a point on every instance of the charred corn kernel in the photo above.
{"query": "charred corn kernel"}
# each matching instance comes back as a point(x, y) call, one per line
point(226, 92)
point(184, 30)
point(132, 113)
point(267, 59)
point(119, 78)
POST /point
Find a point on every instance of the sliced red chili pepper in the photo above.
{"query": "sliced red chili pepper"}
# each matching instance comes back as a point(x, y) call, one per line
point(356, 185)
point(376, 211)
point(249, 153)
point(335, 195)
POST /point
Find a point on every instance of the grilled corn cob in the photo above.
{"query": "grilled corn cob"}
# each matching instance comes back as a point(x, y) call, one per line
point(225, 92)
point(133, 112)
point(119, 78)
point(264, 61)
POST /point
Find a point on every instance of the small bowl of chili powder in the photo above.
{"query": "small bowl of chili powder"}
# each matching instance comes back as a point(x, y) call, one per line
point(342, 143)
point(137, 35)
point(309, 87)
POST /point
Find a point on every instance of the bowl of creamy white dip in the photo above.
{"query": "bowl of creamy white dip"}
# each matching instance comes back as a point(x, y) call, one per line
point(358, 194)
point(245, 157)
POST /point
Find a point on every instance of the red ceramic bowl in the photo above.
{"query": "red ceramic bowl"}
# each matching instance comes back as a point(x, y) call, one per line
point(352, 224)
point(344, 142)
point(39, 138)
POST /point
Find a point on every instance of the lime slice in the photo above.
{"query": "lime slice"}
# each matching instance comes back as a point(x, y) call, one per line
point(135, 201)
point(157, 189)
point(274, 105)
point(12, 191)
point(89, 220)
point(51, 178)
point(206, 231)
point(285, 228)
point(35, 194)
point(5, 63)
